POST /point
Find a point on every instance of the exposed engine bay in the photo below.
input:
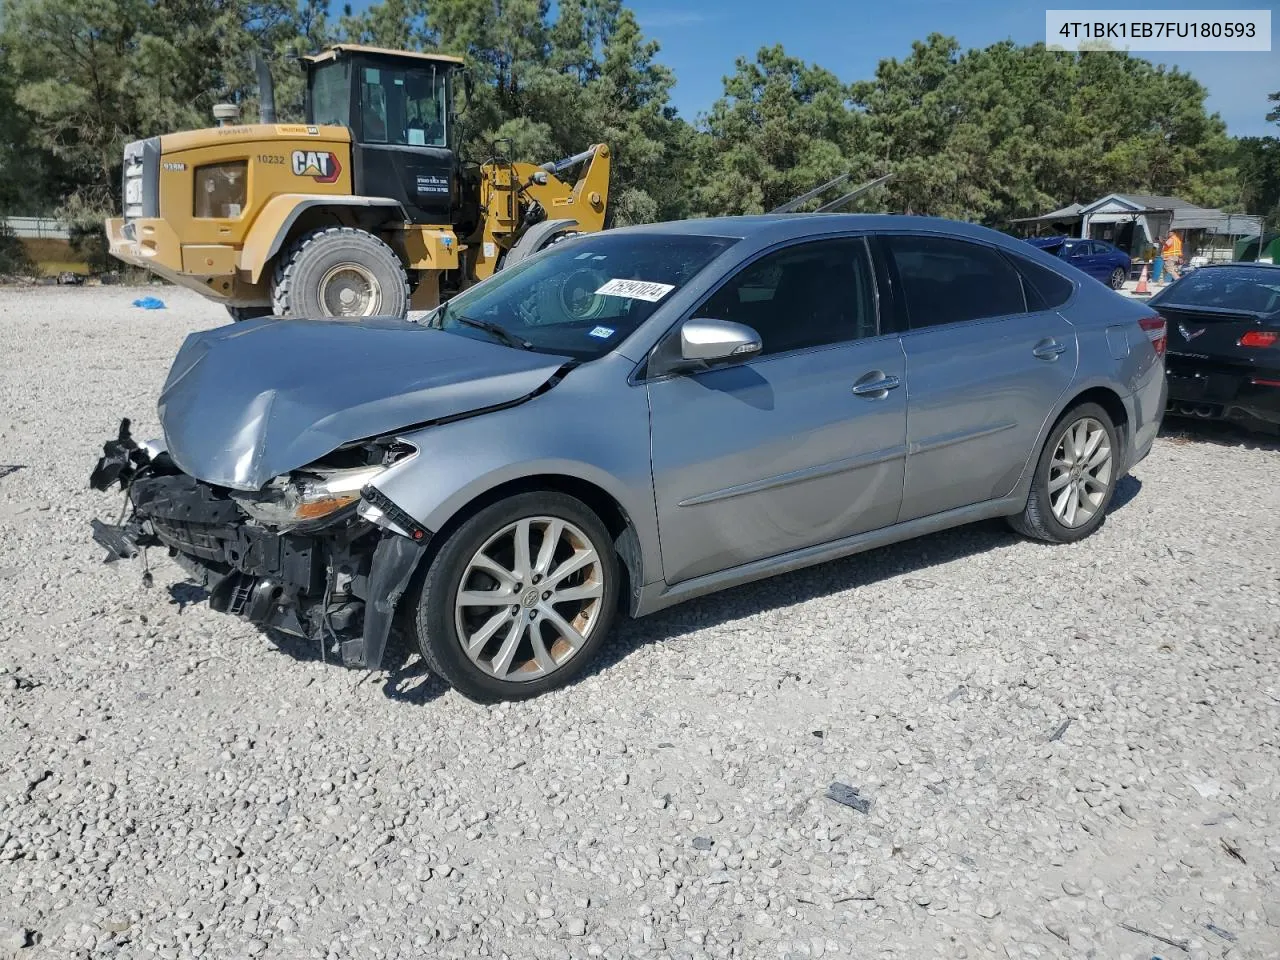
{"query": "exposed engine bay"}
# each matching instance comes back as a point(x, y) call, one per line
point(317, 553)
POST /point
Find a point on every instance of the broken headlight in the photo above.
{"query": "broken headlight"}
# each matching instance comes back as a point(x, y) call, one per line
point(306, 497)
point(326, 490)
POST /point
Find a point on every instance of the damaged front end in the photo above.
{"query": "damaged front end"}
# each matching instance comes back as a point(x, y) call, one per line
point(317, 553)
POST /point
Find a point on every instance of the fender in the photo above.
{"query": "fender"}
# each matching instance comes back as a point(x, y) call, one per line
point(1023, 486)
point(609, 451)
point(271, 229)
point(534, 239)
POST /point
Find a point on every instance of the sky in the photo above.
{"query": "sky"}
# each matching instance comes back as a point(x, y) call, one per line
point(700, 42)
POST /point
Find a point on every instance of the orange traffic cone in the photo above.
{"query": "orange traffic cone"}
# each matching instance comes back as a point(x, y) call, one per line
point(1142, 286)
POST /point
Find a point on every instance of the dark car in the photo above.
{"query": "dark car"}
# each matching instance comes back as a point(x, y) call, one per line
point(1224, 344)
point(1097, 258)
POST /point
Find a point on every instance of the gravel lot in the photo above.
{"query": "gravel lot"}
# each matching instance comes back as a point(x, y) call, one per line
point(1059, 741)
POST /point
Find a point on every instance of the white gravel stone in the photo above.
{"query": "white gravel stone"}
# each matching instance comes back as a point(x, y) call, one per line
point(172, 785)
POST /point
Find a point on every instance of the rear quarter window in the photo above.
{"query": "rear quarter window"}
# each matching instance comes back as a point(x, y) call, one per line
point(1046, 290)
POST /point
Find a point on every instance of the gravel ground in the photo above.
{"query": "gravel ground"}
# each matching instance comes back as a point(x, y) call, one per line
point(1061, 743)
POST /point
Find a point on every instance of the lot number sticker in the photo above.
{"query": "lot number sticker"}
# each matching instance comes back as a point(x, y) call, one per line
point(636, 289)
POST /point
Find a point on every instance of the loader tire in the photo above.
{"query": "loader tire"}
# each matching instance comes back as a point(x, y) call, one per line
point(239, 314)
point(337, 272)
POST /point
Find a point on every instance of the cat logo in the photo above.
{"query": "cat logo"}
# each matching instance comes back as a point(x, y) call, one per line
point(320, 167)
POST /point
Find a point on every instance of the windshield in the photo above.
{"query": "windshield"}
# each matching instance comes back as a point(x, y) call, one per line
point(583, 296)
point(1251, 289)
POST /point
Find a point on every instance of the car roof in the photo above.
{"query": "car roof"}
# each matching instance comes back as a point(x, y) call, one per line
point(788, 226)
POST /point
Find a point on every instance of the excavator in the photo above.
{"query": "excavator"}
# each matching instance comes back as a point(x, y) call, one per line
point(365, 209)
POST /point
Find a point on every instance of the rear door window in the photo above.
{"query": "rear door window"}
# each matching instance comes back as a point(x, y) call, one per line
point(944, 280)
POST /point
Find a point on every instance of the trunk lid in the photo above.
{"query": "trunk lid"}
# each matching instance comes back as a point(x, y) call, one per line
point(1206, 333)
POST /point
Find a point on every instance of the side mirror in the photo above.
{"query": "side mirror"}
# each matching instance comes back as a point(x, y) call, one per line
point(717, 341)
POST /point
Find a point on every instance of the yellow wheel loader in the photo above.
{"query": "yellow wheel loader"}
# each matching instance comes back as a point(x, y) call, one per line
point(364, 210)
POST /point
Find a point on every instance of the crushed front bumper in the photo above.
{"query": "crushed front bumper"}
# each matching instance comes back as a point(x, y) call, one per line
point(337, 583)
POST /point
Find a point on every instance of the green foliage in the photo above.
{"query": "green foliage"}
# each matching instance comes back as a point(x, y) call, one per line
point(782, 128)
point(90, 75)
point(1007, 131)
point(15, 261)
point(556, 86)
point(985, 134)
point(29, 179)
point(1258, 160)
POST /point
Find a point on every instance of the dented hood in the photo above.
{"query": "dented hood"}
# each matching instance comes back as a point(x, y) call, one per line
point(247, 402)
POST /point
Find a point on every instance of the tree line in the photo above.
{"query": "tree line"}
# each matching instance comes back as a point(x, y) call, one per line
point(983, 134)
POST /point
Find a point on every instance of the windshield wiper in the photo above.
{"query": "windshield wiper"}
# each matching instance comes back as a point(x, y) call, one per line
point(502, 333)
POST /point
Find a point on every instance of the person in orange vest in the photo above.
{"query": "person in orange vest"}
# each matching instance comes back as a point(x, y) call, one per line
point(1171, 251)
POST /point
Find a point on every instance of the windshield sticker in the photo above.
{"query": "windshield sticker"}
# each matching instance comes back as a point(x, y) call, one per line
point(583, 256)
point(636, 290)
point(603, 333)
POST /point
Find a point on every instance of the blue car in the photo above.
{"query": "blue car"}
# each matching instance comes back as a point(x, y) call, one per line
point(1097, 258)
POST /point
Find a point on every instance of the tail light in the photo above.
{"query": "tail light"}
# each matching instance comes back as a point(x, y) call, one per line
point(1157, 332)
point(1259, 338)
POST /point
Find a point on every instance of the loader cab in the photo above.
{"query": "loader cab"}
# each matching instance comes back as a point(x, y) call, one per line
point(399, 108)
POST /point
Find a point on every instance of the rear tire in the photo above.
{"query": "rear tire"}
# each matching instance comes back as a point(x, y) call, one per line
point(248, 313)
point(1118, 278)
point(482, 557)
point(340, 272)
point(1075, 478)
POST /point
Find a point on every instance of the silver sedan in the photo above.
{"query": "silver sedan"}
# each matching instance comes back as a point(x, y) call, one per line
point(631, 419)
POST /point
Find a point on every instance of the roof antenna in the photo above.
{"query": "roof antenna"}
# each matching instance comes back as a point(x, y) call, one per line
point(841, 201)
point(791, 205)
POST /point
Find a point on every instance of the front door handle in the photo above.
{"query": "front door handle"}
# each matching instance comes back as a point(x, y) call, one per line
point(1048, 349)
point(875, 389)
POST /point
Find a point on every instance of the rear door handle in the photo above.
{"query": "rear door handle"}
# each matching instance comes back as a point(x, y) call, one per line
point(1048, 349)
point(876, 389)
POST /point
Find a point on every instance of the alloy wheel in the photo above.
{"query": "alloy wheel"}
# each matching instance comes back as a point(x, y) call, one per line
point(1117, 278)
point(1080, 472)
point(529, 599)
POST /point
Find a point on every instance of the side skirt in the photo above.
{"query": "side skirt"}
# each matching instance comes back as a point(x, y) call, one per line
point(657, 596)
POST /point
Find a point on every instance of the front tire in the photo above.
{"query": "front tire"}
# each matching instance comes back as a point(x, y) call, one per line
point(519, 598)
point(1118, 278)
point(338, 272)
point(1075, 478)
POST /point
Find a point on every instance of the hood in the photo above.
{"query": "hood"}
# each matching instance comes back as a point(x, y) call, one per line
point(250, 401)
point(1048, 244)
